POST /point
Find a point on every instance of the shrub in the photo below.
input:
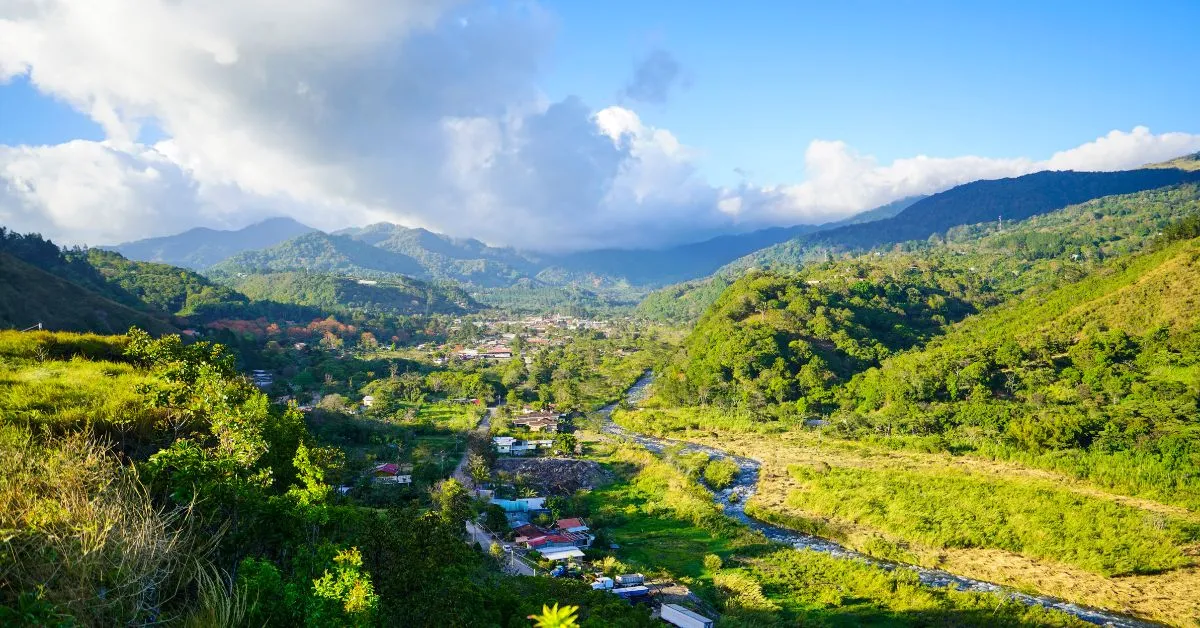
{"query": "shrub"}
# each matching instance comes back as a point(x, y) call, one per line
point(720, 473)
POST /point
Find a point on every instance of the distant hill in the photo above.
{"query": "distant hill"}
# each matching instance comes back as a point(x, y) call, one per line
point(320, 252)
point(442, 257)
point(1009, 199)
point(1186, 162)
point(161, 287)
point(386, 250)
point(30, 295)
point(394, 296)
point(202, 247)
point(691, 261)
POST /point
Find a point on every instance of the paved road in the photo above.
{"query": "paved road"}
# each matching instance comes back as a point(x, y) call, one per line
point(481, 431)
point(513, 566)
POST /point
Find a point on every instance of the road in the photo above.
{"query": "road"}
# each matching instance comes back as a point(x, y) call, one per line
point(512, 565)
point(480, 431)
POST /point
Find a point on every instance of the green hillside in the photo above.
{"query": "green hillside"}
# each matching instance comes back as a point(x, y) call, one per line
point(972, 203)
point(396, 295)
point(323, 253)
point(30, 295)
point(442, 257)
point(161, 287)
point(1027, 254)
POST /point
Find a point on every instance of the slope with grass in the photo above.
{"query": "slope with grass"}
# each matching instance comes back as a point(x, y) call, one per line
point(30, 295)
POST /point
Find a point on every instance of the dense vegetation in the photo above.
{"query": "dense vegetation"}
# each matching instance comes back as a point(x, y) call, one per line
point(164, 288)
point(399, 295)
point(218, 509)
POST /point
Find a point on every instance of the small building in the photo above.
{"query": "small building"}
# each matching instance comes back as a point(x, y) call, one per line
point(574, 524)
point(521, 504)
point(392, 473)
point(561, 554)
point(516, 447)
point(368, 401)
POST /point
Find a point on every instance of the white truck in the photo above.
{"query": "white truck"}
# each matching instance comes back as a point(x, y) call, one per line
point(603, 584)
point(631, 579)
point(679, 616)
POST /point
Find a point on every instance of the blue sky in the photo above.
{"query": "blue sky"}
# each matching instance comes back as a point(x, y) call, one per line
point(893, 79)
point(566, 124)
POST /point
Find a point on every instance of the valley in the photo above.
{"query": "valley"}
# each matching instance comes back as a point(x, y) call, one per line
point(990, 424)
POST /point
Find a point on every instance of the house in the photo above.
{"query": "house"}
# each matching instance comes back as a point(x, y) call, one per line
point(392, 473)
point(538, 421)
point(574, 524)
point(368, 401)
point(516, 447)
point(521, 504)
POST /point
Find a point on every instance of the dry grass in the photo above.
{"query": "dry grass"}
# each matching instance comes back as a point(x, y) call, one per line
point(79, 526)
point(1171, 597)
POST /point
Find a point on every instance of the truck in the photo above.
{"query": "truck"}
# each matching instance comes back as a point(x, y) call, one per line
point(631, 579)
point(679, 616)
point(603, 584)
point(631, 593)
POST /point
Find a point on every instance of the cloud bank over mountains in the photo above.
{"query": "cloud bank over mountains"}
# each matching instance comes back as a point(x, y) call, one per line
point(426, 113)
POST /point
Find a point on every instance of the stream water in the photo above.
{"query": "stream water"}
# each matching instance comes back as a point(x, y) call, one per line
point(734, 497)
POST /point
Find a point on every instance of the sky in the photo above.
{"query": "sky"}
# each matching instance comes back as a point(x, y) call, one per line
point(564, 125)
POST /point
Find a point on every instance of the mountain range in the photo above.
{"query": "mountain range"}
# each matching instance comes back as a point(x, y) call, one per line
point(202, 247)
point(386, 250)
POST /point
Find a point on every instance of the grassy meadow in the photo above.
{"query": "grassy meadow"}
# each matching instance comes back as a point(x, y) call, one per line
point(667, 525)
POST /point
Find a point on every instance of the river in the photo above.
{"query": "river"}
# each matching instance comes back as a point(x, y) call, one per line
point(733, 500)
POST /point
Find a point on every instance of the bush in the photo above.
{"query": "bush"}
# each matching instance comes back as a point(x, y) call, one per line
point(720, 473)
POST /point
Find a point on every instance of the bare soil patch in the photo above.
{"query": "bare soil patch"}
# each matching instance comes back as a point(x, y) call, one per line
point(554, 476)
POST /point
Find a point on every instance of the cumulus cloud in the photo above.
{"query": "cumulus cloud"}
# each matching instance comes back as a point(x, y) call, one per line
point(425, 113)
point(654, 78)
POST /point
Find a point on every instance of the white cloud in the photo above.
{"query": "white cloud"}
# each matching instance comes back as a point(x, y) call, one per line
point(424, 112)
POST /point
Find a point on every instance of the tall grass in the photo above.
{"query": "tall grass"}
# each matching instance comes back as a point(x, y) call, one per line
point(80, 528)
point(77, 394)
point(664, 523)
point(947, 509)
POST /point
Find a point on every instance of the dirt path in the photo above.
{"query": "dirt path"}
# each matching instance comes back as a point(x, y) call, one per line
point(480, 431)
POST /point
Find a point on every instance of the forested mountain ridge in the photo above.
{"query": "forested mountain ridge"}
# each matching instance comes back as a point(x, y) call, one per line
point(202, 247)
point(420, 253)
point(30, 296)
point(831, 320)
point(322, 253)
point(1010, 199)
point(957, 211)
point(396, 295)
